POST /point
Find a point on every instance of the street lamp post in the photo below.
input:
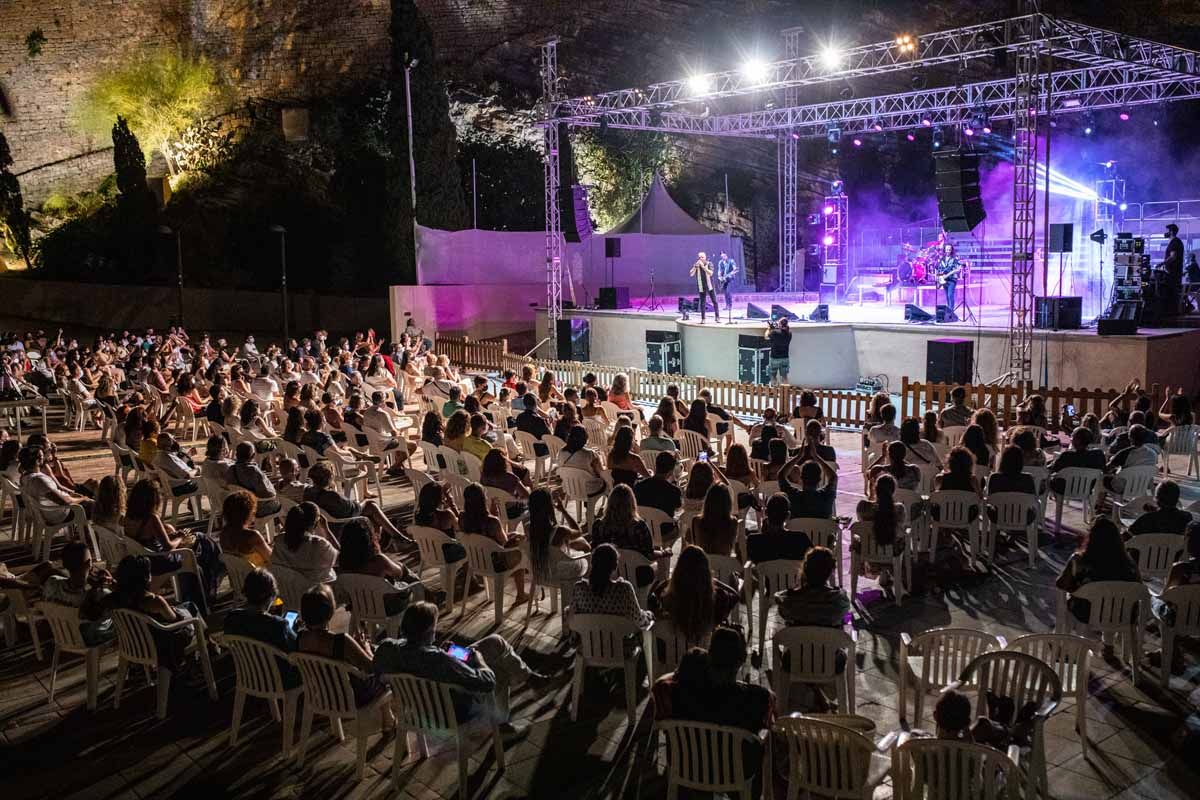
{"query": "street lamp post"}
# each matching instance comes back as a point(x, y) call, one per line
point(283, 276)
point(166, 231)
point(409, 64)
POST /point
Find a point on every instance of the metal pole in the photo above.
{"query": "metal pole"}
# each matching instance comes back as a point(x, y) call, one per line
point(474, 197)
point(179, 272)
point(283, 281)
point(412, 166)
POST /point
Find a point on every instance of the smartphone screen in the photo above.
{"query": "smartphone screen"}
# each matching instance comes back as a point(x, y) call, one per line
point(461, 653)
point(290, 618)
point(1070, 409)
point(703, 456)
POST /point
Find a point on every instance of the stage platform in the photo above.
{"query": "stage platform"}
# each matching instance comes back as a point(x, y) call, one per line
point(873, 339)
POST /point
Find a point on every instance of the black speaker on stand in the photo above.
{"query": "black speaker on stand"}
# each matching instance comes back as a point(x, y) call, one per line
point(574, 339)
point(960, 206)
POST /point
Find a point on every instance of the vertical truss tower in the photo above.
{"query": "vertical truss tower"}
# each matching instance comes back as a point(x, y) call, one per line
point(552, 175)
point(788, 170)
point(1024, 219)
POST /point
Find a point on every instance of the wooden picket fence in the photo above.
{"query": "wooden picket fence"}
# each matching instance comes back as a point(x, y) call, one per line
point(842, 407)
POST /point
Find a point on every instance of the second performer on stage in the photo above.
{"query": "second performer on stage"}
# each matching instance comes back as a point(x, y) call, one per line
point(703, 272)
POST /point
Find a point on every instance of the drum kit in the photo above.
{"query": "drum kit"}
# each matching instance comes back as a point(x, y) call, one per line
point(917, 266)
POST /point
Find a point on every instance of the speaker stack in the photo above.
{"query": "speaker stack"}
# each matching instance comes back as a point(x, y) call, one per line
point(960, 206)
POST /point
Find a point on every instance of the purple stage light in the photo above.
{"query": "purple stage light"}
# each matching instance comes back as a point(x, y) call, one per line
point(857, 142)
point(827, 241)
point(910, 137)
point(969, 131)
point(1123, 116)
point(987, 129)
point(926, 121)
point(827, 210)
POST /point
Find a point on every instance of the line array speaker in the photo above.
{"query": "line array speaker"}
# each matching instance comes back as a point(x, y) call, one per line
point(959, 203)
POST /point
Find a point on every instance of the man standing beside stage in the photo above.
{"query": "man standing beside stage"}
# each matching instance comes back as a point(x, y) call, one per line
point(779, 363)
point(727, 270)
point(703, 271)
point(1173, 265)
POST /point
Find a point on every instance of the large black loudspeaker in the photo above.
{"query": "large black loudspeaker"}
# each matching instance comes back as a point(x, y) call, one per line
point(612, 248)
point(566, 184)
point(949, 360)
point(780, 312)
point(574, 340)
point(1062, 237)
point(1116, 327)
point(959, 204)
point(613, 297)
point(916, 313)
point(1058, 313)
point(754, 312)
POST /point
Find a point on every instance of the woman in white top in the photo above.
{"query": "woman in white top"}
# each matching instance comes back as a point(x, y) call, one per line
point(577, 455)
point(920, 450)
point(555, 551)
point(306, 545)
point(53, 500)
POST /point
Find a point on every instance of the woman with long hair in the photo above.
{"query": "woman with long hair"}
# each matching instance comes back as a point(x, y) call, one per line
point(1010, 475)
point(554, 549)
point(306, 544)
point(592, 408)
point(670, 420)
point(1101, 557)
point(626, 466)
point(892, 461)
point(431, 428)
point(921, 450)
point(875, 408)
point(959, 475)
point(291, 395)
point(109, 510)
point(547, 390)
point(738, 468)
point(692, 599)
point(360, 554)
point(715, 528)
point(618, 395)
point(457, 428)
point(986, 420)
point(568, 417)
point(293, 428)
point(481, 519)
point(886, 517)
point(697, 420)
point(237, 534)
point(604, 591)
point(622, 527)
point(131, 590)
point(577, 455)
point(975, 443)
point(436, 509)
point(930, 431)
point(144, 525)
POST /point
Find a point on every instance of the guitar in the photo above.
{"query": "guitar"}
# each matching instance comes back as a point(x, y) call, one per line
point(726, 274)
point(948, 270)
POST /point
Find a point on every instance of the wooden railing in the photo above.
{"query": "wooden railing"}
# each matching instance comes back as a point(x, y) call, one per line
point(842, 407)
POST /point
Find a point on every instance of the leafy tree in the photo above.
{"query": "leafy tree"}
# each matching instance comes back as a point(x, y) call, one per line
point(618, 166)
point(160, 92)
point(136, 206)
point(14, 219)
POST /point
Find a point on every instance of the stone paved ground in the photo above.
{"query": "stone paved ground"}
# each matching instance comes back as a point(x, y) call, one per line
point(1144, 740)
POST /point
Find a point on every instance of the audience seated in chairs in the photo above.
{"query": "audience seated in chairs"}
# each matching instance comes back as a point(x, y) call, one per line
point(811, 499)
point(555, 540)
point(84, 587)
point(715, 529)
point(1100, 557)
point(340, 507)
point(773, 541)
point(692, 599)
point(1167, 516)
point(577, 455)
point(246, 474)
point(481, 518)
point(626, 465)
point(237, 536)
point(604, 591)
point(316, 610)
point(306, 545)
point(254, 620)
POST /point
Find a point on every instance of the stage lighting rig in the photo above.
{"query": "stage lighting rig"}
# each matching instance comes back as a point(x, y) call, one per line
point(906, 44)
point(938, 138)
point(756, 71)
point(699, 85)
point(831, 57)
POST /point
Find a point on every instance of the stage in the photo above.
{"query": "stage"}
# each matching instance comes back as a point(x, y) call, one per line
point(873, 339)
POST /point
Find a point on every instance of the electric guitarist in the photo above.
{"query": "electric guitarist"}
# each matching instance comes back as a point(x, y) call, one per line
point(727, 270)
point(948, 270)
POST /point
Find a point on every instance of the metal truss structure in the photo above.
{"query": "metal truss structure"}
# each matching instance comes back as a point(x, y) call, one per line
point(1061, 67)
point(552, 176)
point(835, 243)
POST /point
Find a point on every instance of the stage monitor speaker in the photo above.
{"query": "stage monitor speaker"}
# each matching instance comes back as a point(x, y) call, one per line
point(574, 340)
point(780, 312)
point(949, 360)
point(1062, 237)
point(1058, 313)
point(916, 313)
point(942, 313)
point(664, 352)
point(754, 353)
point(1116, 327)
point(612, 248)
point(613, 297)
point(820, 313)
point(754, 312)
point(960, 206)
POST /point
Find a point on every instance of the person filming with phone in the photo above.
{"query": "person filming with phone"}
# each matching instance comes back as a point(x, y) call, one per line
point(486, 667)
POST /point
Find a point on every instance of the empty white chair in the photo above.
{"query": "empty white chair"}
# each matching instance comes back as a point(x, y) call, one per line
point(925, 769)
point(707, 758)
point(424, 707)
point(1115, 609)
point(136, 646)
point(19, 612)
point(1156, 552)
point(894, 556)
point(830, 755)
point(480, 552)
point(812, 653)
point(1029, 682)
point(1185, 621)
point(601, 644)
point(328, 692)
point(1068, 655)
point(953, 510)
point(933, 659)
point(64, 628)
point(1135, 482)
point(1182, 440)
point(1081, 485)
point(367, 596)
point(1014, 512)
point(256, 667)
point(432, 556)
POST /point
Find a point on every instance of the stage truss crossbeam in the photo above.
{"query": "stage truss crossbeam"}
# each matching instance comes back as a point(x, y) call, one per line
point(551, 175)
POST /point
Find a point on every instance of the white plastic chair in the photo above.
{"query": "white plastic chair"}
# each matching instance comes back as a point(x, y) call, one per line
point(933, 659)
point(367, 597)
point(674, 645)
point(256, 667)
point(1068, 655)
point(822, 533)
point(1156, 552)
point(292, 586)
point(111, 545)
point(191, 498)
point(429, 549)
point(328, 692)
point(812, 655)
point(480, 550)
point(942, 769)
point(575, 487)
point(123, 463)
point(707, 758)
point(1027, 680)
point(185, 418)
point(504, 499)
point(1082, 485)
point(1185, 600)
point(237, 568)
point(954, 510)
point(773, 576)
point(656, 519)
point(429, 452)
point(895, 556)
point(1135, 482)
point(64, 628)
point(527, 443)
point(1116, 608)
point(19, 612)
point(456, 484)
point(472, 464)
point(1182, 440)
point(954, 434)
point(41, 532)
point(1015, 512)
point(691, 445)
point(418, 479)
point(601, 644)
point(424, 707)
point(136, 646)
point(827, 757)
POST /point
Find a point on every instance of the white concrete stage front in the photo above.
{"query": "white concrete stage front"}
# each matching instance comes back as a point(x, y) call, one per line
point(873, 340)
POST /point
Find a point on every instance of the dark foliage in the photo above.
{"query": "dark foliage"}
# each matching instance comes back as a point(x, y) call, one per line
point(509, 185)
point(14, 219)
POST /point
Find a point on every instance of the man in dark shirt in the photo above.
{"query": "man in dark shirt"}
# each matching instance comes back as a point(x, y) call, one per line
point(811, 499)
point(254, 621)
point(1173, 264)
point(658, 491)
point(1079, 455)
point(779, 361)
point(722, 427)
point(533, 423)
point(1168, 517)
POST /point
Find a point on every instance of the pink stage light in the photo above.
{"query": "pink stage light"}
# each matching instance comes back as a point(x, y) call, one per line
point(858, 142)
point(827, 241)
point(926, 121)
point(910, 137)
point(827, 210)
point(969, 131)
point(1124, 116)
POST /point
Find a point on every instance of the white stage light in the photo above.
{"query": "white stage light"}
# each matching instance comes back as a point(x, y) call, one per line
point(699, 85)
point(756, 70)
point(831, 57)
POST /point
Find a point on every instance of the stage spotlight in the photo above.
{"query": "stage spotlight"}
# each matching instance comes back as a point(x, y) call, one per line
point(926, 122)
point(698, 85)
point(910, 137)
point(827, 210)
point(831, 57)
point(978, 122)
point(837, 186)
point(938, 138)
point(1123, 206)
point(905, 43)
point(756, 70)
point(833, 134)
point(857, 142)
point(968, 130)
point(1124, 115)
point(828, 240)
point(877, 126)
